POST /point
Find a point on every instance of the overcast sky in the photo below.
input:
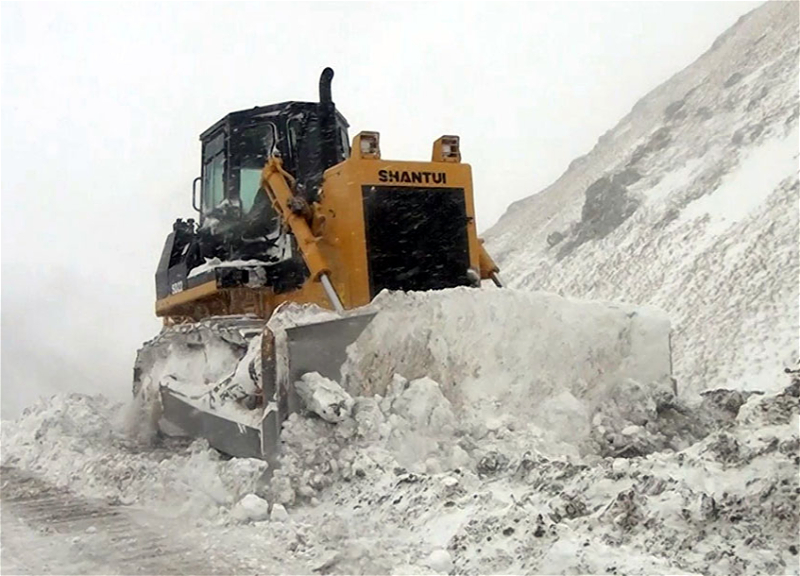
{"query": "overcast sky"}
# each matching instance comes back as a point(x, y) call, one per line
point(102, 104)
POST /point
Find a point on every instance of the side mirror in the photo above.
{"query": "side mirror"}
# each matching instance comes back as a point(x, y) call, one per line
point(195, 205)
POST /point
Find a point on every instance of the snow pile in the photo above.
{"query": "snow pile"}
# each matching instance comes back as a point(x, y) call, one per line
point(459, 378)
point(412, 427)
point(506, 358)
point(401, 485)
point(724, 505)
point(689, 204)
point(86, 443)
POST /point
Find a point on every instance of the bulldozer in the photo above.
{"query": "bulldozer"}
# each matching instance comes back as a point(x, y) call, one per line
point(291, 210)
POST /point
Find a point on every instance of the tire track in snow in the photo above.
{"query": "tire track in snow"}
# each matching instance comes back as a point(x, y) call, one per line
point(50, 530)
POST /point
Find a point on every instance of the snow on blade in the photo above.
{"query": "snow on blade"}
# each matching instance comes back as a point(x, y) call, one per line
point(513, 356)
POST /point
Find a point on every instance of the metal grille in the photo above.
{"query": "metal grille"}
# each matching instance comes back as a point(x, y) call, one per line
point(416, 238)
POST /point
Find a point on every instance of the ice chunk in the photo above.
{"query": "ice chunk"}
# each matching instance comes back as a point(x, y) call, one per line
point(279, 513)
point(324, 397)
point(251, 508)
point(440, 561)
point(423, 405)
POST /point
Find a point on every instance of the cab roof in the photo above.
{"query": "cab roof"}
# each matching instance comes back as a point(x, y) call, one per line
point(282, 109)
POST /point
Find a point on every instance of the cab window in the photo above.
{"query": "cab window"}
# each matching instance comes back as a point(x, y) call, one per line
point(252, 146)
point(294, 136)
point(213, 173)
point(345, 142)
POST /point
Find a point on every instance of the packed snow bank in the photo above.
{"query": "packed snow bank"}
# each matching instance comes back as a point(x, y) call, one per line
point(506, 358)
point(487, 346)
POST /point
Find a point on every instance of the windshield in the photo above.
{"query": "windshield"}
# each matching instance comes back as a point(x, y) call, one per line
point(251, 149)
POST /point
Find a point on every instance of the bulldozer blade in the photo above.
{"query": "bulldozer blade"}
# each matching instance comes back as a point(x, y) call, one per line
point(320, 347)
point(227, 436)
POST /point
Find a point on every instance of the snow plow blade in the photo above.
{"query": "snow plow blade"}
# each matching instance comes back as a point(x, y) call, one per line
point(231, 382)
point(227, 436)
point(319, 347)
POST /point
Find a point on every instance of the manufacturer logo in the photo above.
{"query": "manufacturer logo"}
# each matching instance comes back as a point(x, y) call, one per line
point(412, 177)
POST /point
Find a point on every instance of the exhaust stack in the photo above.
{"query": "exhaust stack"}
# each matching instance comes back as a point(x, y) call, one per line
point(327, 127)
point(325, 80)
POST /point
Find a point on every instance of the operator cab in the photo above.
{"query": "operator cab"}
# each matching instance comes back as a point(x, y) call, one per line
point(236, 148)
point(237, 220)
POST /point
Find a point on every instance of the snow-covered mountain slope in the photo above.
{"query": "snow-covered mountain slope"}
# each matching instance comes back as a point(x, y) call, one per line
point(690, 203)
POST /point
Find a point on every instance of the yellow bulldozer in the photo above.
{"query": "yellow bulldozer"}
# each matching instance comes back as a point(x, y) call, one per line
point(292, 211)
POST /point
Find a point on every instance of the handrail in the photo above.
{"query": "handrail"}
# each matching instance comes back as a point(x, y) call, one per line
point(194, 194)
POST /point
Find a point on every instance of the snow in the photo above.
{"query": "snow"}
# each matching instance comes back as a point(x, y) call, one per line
point(747, 187)
point(673, 180)
point(714, 239)
point(403, 479)
point(213, 263)
point(291, 314)
point(467, 458)
point(440, 561)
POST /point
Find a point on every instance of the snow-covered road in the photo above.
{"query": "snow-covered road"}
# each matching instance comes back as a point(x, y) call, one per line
point(50, 530)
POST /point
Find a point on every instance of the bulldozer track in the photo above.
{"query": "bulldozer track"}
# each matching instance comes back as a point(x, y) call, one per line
point(45, 529)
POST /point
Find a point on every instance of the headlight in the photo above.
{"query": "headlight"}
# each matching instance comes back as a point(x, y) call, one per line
point(446, 149)
point(368, 145)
